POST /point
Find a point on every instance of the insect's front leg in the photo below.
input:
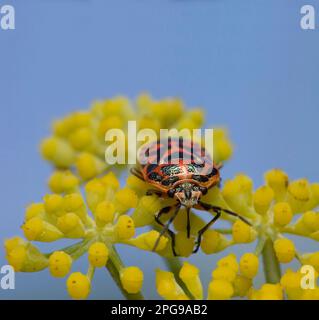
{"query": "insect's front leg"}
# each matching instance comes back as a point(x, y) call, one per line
point(202, 230)
point(137, 173)
point(150, 192)
point(166, 210)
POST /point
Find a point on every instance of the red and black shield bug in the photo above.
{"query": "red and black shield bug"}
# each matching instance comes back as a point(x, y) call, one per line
point(181, 169)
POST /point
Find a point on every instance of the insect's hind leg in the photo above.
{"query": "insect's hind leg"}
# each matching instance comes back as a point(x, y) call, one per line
point(209, 207)
point(218, 211)
point(202, 230)
point(166, 227)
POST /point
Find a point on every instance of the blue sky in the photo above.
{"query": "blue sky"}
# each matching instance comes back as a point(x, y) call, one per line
point(248, 63)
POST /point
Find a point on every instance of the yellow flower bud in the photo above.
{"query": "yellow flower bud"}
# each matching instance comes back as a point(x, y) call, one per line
point(34, 210)
point(125, 228)
point(282, 214)
point(78, 285)
point(16, 257)
point(105, 213)
point(60, 264)
point(311, 259)
point(190, 276)
point(110, 181)
point(23, 256)
point(196, 114)
point(81, 138)
point(78, 119)
point(241, 285)
point(278, 181)
point(238, 193)
point(268, 292)
point(299, 193)
point(112, 122)
point(223, 150)
point(299, 189)
point(89, 166)
point(291, 282)
point(143, 101)
point(311, 220)
point(63, 181)
point(248, 265)
point(314, 197)
point(125, 199)
point(184, 245)
point(147, 122)
point(166, 285)
point(71, 225)
point(147, 240)
point(263, 198)
point(95, 193)
point(146, 209)
point(73, 202)
point(132, 279)
point(57, 151)
point(98, 254)
point(53, 204)
point(136, 184)
point(14, 242)
point(220, 290)
point(229, 261)
point(37, 229)
point(224, 273)
point(213, 241)
point(242, 232)
point(285, 250)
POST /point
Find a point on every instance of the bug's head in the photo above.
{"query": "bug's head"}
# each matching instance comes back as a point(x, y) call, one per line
point(187, 193)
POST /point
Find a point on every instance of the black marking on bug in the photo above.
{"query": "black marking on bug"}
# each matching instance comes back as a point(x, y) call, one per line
point(199, 178)
point(169, 181)
point(155, 176)
point(151, 167)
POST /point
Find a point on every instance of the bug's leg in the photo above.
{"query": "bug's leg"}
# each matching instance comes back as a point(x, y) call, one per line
point(209, 207)
point(188, 227)
point(166, 227)
point(152, 191)
point(202, 230)
point(137, 173)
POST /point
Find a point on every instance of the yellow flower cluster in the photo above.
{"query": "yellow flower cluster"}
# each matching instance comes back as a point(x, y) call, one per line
point(67, 215)
point(106, 214)
point(76, 149)
point(229, 279)
point(78, 140)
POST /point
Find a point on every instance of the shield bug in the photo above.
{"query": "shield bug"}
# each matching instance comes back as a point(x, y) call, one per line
point(180, 169)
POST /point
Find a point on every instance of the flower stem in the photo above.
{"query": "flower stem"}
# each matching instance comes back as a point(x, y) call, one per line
point(271, 264)
point(114, 266)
